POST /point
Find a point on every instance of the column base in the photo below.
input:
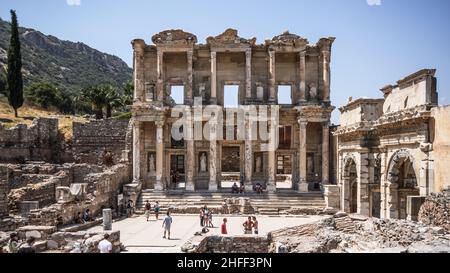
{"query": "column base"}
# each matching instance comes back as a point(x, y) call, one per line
point(159, 186)
point(271, 188)
point(190, 187)
point(213, 101)
point(303, 187)
point(213, 187)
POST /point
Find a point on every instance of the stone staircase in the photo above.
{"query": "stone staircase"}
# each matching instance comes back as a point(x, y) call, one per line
point(265, 204)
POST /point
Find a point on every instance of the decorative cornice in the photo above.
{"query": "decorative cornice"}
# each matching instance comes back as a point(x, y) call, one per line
point(230, 36)
point(174, 37)
point(287, 39)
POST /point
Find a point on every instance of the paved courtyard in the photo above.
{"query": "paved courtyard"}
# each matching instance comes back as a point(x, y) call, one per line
point(139, 236)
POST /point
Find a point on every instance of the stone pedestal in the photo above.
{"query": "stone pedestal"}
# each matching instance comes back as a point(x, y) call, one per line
point(107, 219)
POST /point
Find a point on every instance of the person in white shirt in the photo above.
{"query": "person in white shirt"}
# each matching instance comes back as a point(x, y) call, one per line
point(105, 246)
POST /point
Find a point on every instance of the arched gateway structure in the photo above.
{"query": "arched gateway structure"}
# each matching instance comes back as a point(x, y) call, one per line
point(285, 71)
point(390, 141)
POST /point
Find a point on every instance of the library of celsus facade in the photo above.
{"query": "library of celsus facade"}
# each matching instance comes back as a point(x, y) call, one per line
point(177, 70)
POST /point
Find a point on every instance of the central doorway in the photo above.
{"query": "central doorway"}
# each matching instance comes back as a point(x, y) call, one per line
point(231, 166)
point(177, 172)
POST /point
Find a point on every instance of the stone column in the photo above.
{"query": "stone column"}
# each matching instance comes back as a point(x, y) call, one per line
point(272, 79)
point(272, 171)
point(325, 153)
point(136, 152)
point(107, 219)
point(302, 77)
point(248, 156)
point(139, 73)
point(248, 74)
point(326, 75)
point(213, 77)
point(190, 68)
point(213, 186)
point(159, 185)
point(303, 183)
point(190, 158)
point(160, 76)
point(363, 184)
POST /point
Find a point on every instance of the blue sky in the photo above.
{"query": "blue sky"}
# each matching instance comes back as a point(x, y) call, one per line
point(377, 43)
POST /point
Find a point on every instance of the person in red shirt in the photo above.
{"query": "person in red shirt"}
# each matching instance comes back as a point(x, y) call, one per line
point(224, 226)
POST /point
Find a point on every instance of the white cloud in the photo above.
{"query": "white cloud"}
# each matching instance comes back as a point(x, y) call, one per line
point(374, 2)
point(73, 2)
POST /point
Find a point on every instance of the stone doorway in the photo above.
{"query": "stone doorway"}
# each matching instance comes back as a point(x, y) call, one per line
point(284, 172)
point(231, 166)
point(177, 172)
point(350, 187)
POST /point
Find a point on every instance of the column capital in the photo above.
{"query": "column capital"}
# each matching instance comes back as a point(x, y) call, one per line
point(213, 54)
point(326, 55)
point(302, 122)
point(302, 54)
point(159, 124)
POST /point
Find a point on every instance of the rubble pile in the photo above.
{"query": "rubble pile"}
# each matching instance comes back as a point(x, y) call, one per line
point(436, 210)
point(352, 234)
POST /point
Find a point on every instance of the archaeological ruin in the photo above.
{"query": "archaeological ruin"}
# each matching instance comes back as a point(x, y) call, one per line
point(255, 116)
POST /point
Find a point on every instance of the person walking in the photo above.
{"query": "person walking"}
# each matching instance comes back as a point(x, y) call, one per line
point(223, 229)
point(248, 226)
point(156, 209)
point(105, 245)
point(255, 225)
point(167, 223)
point(148, 207)
point(210, 224)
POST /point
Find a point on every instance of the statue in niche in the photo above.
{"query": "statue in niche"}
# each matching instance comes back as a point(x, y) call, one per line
point(258, 164)
point(203, 164)
point(260, 92)
point(312, 91)
point(151, 163)
point(201, 90)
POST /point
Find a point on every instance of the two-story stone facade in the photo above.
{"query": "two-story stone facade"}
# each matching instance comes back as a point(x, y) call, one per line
point(204, 72)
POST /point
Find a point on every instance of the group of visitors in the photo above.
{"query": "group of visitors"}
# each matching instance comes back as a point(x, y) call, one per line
point(84, 217)
point(16, 246)
point(206, 217)
point(251, 226)
point(148, 209)
point(235, 189)
point(258, 188)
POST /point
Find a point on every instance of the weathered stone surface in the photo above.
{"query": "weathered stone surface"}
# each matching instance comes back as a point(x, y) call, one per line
point(436, 210)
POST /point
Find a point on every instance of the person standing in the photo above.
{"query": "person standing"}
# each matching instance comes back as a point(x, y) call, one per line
point(167, 223)
point(148, 207)
point(156, 209)
point(13, 243)
point(223, 229)
point(210, 224)
point(202, 215)
point(105, 245)
point(255, 225)
point(248, 226)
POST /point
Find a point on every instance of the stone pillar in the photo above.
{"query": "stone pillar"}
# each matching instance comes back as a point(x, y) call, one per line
point(272, 172)
point(272, 79)
point(383, 187)
point(302, 77)
point(213, 77)
point(248, 156)
point(137, 152)
point(139, 73)
point(303, 183)
point(213, 186)
point(190, 157)
point(248, 74)
point(326, 75)
point(325, 153)
point(190, 68)
point(160, 76)
point(363, 185)
point(107, 219)
point(159, 185)
point(392, 201)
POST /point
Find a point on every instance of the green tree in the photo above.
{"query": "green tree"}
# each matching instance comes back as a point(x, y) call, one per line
point(43, 94)
point(96, 97)
point(112, 99)
point(14, 71)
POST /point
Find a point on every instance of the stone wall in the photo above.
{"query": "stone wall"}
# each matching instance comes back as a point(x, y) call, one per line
point(92, 140)
point(3, 191)
point(234, 244)
point(441, 147)
point(35, 143)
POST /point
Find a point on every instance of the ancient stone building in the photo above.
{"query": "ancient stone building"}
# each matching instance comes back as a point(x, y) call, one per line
point(176, 71)
point(389, 149)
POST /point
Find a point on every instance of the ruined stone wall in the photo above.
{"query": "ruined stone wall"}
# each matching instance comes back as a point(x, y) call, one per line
point(3, 191)
point(35, 143)
point(440, 128)
point(92, 139)
point(234, 244)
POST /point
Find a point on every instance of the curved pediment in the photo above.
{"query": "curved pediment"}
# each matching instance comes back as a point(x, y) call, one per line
point(230, 36)
point(288, 39)
point(174, 36)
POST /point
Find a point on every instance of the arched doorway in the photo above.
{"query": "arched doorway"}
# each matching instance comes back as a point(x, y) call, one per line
point(350, 186)
point(403, 183)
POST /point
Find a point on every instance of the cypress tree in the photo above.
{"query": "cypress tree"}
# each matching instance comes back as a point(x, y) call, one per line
point(14, 71)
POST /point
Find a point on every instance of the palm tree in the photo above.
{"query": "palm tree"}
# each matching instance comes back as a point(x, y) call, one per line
point(112, 99)
point(96, 97)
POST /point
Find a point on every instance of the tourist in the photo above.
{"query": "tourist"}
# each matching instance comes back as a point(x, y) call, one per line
point(223, 229)
point(248, 226)
point(79, 219)
point(255, 225)
point(13, 243)
point(234, 188)
point(28, 246)
point(148, 207)
point(130, 208)
point(202, 215)
point(205, 215)
point(105, 245)
point(156, 209)
point(209, 219)
point(167, 223)
point(87, 217)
